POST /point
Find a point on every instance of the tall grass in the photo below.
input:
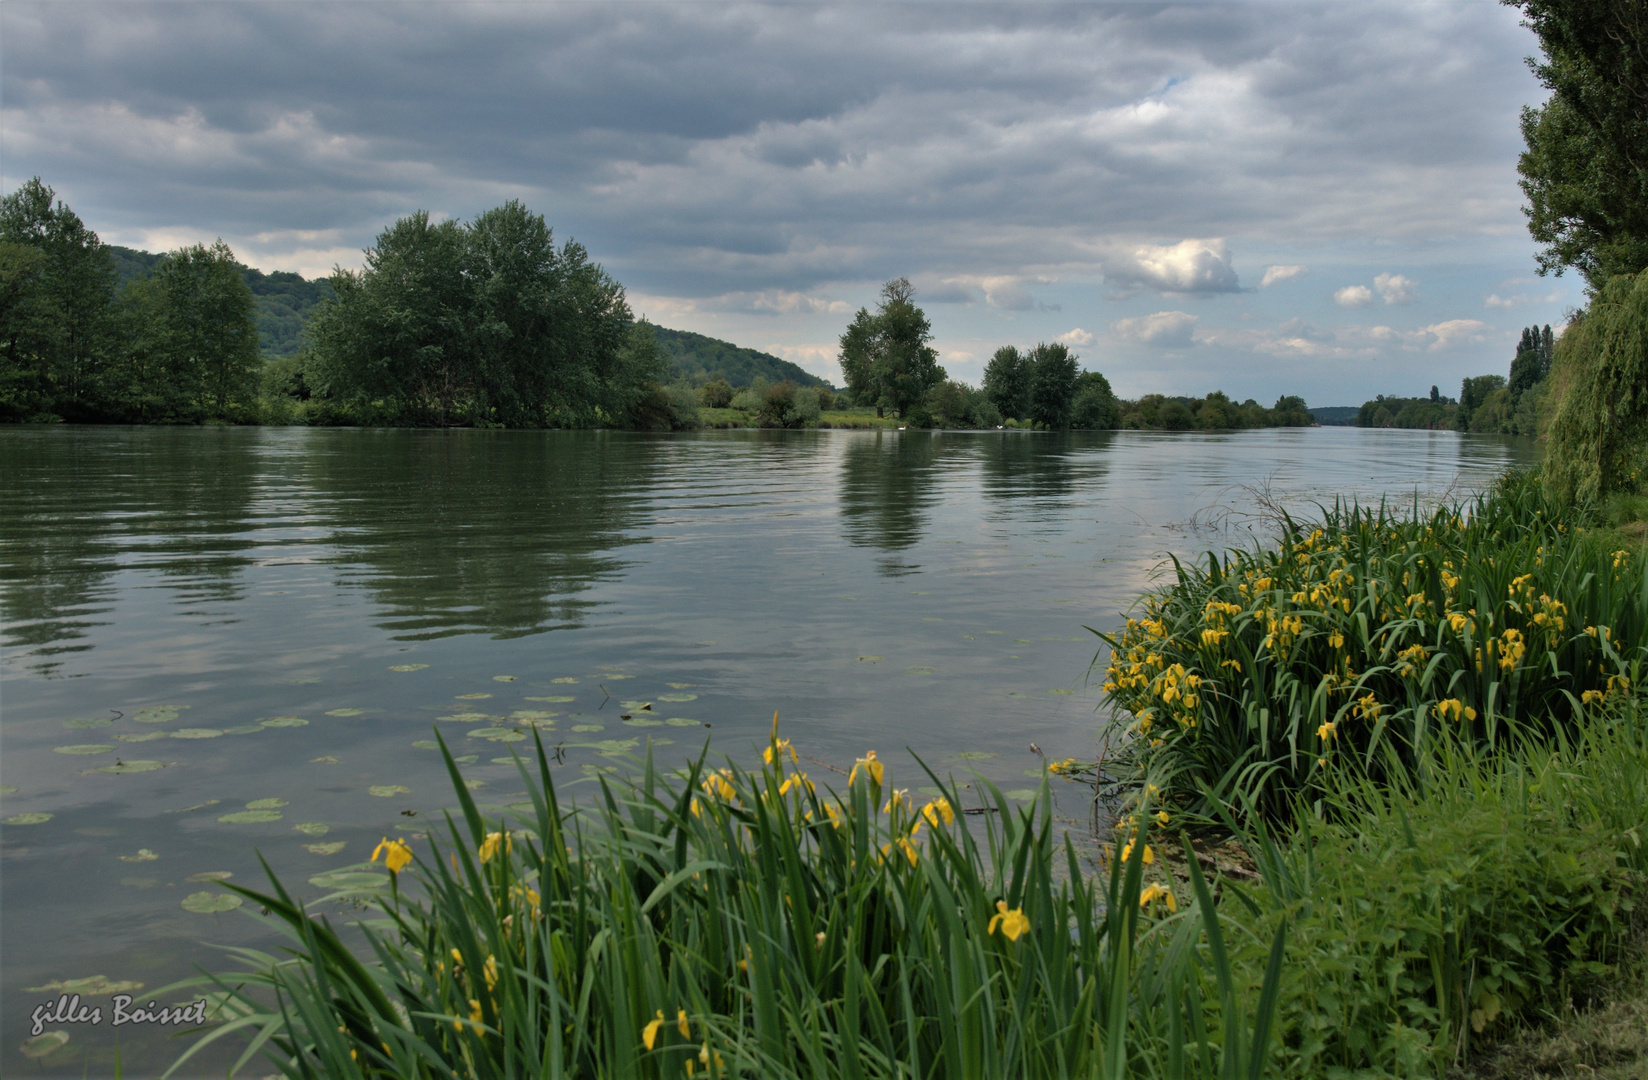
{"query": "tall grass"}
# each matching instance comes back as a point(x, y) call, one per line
point(1255, 677)
point(728, 923)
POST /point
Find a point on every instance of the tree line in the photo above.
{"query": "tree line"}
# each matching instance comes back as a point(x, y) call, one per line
point(1517, 404)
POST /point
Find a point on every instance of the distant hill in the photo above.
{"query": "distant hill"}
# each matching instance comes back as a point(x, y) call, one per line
point(701, 359)
point(282, 300)
point(1335, 415)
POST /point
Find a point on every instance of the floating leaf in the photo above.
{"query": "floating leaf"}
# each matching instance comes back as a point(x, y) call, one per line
point(331, 848)
point(143, 855)
point(288, 721)
point(211, 875)
point(313, 828)
point(612, 678)
point(553, 698)
point(474, 785)
point(532, 714)
point(349, 879)
point(614, 747)
point(89, 986)
point(266, 804)
point(388, 791)
point(681, 721)
point(243, 729)
point(158, 714)
point(407, 667)
point(426, 744)
point(87, 723)
point(251, 817)
point(147, 736)
point(31, 818)
point(873, 659)
point(120, 767)
point(1061, 691)
point(83, 748)
point(498, 734)
point(466, 717)
point(210, 903)
point(467, 759)
point(681, 685)
point(196, 733)
point(1023, 794)
point(8, 789)
point(677, 697)
point(472, 697)
point(43, 1044)
point(643, 722)
point(503, 678)
point(633, 706)
point(196, 806)
point(327, 760)
point(1023, 641)
point(588, 727)
point(344, 712)
point(564, 679)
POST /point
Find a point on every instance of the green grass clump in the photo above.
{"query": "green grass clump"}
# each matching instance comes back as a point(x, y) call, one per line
point(726, 923)
point(1257, 676)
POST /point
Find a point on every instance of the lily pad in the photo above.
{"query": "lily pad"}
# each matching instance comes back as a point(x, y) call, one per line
point(872, 659)
point(532, 714)
point(681, 685)
point(330, 848)
point(158, 714)
point(614, 747)
point(503, 678)
point(407, 667)
point(474, 785)
point(87, 723)
point(388, 791)
point(287, 721)
point(43, 1044)
point(251, 817)
point(243, 729)
point(467, 759)
point(426, 744)
point(681, 721)
point(554, 698)
point(678, 696)
point(83, 748)
point(32, 818)
point(1023, 794)
point(589, 727)
point(312, 828)
point(564, 679)
point(147, 736)
point(196, 806)
point(211, 875)
point(210, 903)
point(8, 789)
point(1061, 691)
point(90, 986)
point(266, 804)
point(636, 706)
point(344, 712)
point(642, 721)
point(327, 759)
point(466, 717)
point(143, 855)
point(196, 733)
point(349, 879)
point(472, 697)
point(498, 734)
point(121, 767)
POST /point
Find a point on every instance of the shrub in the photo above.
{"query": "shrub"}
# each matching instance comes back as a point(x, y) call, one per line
point(716, 394)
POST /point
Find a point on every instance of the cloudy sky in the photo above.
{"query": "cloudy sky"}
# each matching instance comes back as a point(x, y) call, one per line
point(1312, 198)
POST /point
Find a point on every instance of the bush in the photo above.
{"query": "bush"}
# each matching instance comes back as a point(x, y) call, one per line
point(807, 405)
point(1600, 426)
point(778, 407)
point(746, 401)
point(716, 394)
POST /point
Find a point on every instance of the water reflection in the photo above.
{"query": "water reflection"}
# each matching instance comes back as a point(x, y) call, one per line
point(455, 532)
point(1047, 465)
point(81, 504)
point(887, 491)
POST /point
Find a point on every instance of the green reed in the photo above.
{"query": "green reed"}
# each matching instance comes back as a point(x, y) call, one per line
point(1255, 677)
point(732, 923)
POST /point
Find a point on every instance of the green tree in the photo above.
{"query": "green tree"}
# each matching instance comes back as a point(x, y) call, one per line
point(1007, 382)
point(57, 321)
point(887, 358)
point(1600, 423)
point(1585, 171)
point(1052, 385)
point(1095, 403)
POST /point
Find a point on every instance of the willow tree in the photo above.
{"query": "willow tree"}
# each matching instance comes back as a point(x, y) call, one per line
point(1600, 430)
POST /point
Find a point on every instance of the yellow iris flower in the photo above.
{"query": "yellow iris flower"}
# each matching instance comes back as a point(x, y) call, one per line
point(1012, 921)
point(396, 854)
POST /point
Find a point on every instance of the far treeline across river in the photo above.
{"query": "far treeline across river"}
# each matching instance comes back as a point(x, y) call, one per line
point(486, 323)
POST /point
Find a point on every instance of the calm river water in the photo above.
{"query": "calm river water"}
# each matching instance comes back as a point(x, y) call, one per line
point(200, 619)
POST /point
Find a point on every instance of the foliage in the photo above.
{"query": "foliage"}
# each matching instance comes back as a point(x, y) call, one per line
point(1007, 382)
point(1095, 405)
point(715, 394)
point(701, 360)
point(952, 404)
point(1600, 421)
point(1399, 412)
point(485, 323)
point(1052, 385)
point(1216, 412)
point(1259, 676)
point(1584, 172)
point(887, 359)
point(778, 407)
point(737, 924)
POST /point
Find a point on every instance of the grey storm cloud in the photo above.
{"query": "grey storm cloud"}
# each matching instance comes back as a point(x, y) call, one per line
point(704, 150)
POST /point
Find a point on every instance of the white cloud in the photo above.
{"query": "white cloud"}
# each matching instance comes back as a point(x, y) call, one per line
point(1078, 336)
point(1353, 296)
point(1516, 300)
point(1396, 289)
point(1166, 329)
point(1297, 338)
point(1190, 266)
point(1273, 274)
